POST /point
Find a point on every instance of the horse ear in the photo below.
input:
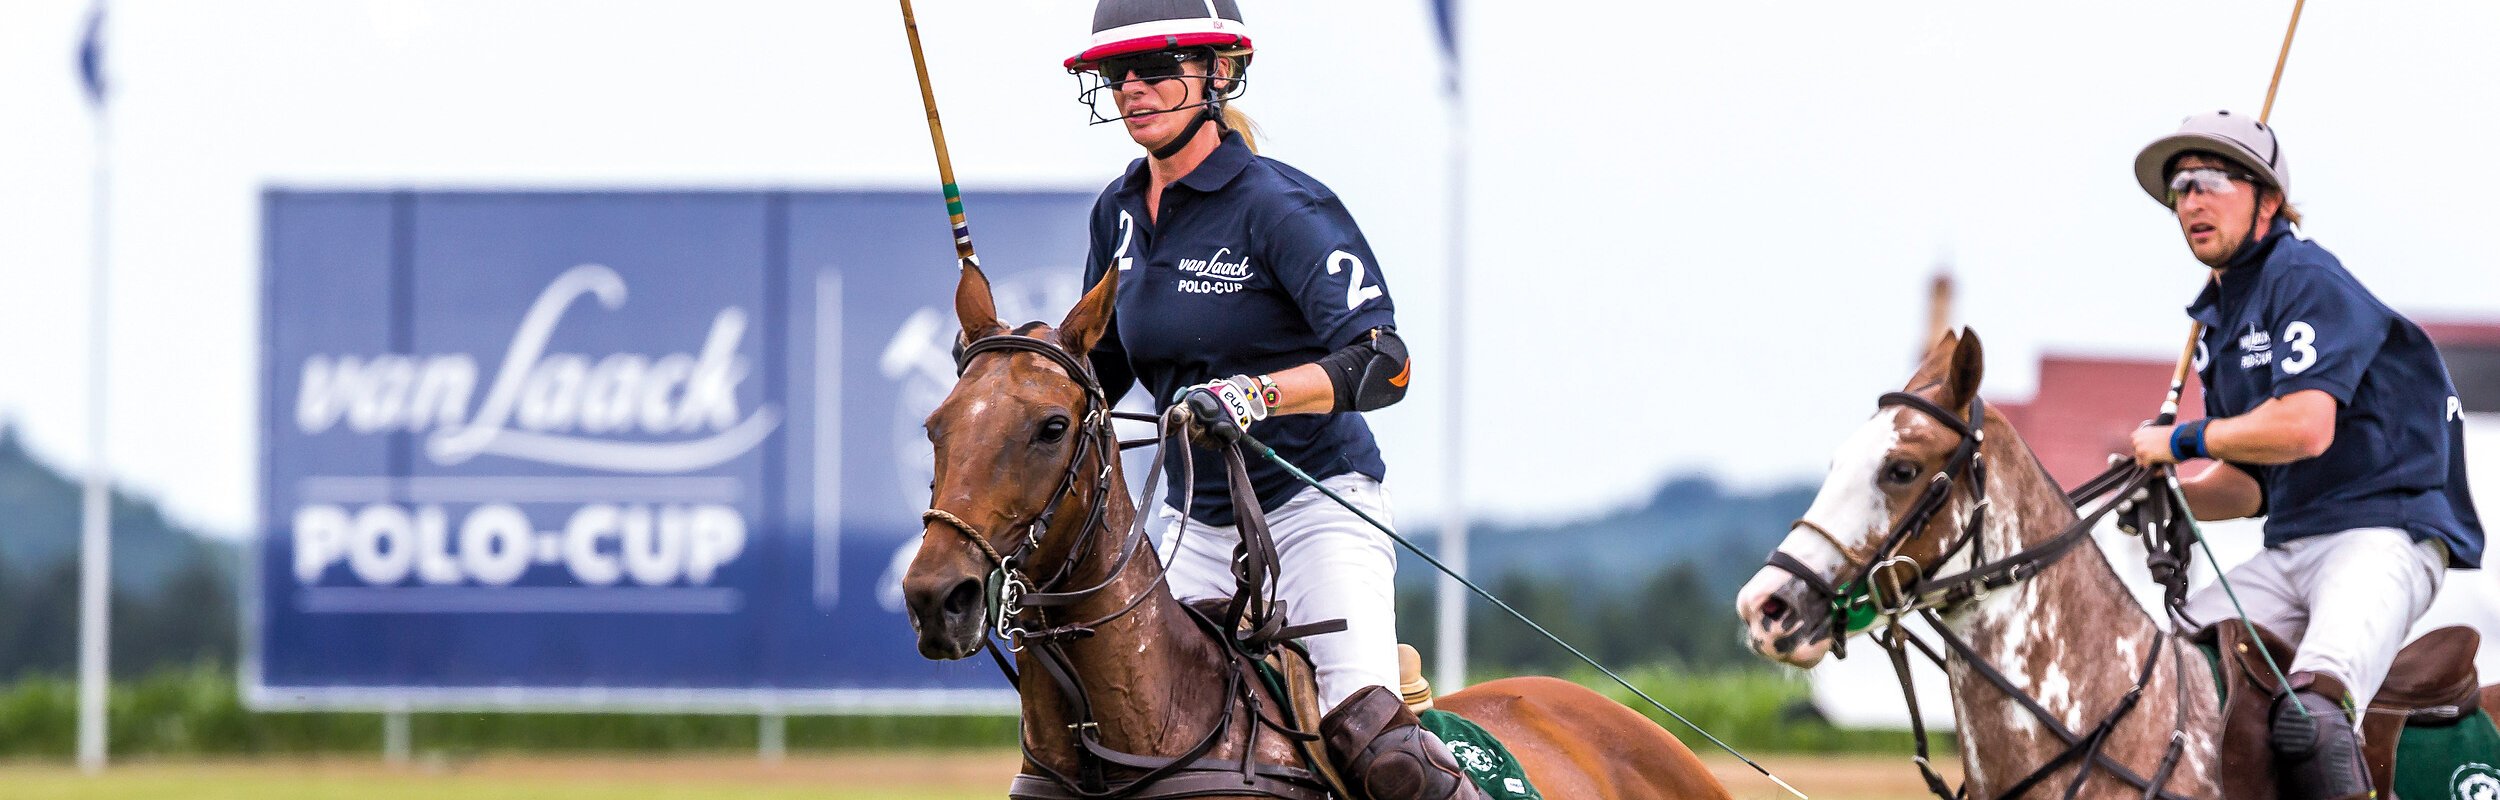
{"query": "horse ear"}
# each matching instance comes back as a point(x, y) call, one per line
point(1934, 364)
point(973, 307)
point(1086, 322)
point(1968, 361)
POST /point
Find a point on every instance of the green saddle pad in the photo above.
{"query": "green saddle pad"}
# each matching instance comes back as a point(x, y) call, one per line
point(2457, 761)
point(1484, 758)
point(2460, 761)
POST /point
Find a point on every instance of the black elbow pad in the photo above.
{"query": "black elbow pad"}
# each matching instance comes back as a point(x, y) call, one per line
point(1370, 373)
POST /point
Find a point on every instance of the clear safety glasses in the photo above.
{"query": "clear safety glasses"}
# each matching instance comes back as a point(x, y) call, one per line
point(2203, 179)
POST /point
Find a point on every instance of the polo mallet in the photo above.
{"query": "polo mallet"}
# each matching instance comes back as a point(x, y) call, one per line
point(937, 139)
point(1263, 451)
point(2196, 330)
point(2178, 385)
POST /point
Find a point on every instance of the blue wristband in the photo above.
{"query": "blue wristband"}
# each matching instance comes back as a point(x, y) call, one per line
point(2188, 440)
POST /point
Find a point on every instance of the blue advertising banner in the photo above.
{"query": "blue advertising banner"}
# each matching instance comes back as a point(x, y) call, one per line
point(613, 449)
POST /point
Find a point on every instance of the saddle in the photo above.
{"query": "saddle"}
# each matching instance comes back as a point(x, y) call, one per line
point(2433, 683)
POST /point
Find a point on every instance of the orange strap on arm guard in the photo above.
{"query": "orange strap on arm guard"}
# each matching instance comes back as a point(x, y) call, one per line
point(1371, 373)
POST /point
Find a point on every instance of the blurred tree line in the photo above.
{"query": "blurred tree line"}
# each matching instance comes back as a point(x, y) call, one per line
point(1650, 584)
point(1673, 619)
point(173, 590)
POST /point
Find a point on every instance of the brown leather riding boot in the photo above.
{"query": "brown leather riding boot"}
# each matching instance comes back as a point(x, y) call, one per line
point(1378, 746)
point(2317, 757)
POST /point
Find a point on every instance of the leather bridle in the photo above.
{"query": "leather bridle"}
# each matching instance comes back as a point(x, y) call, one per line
point(1019, 605)
point(1855, 601)
point(1870, 589)
point(1008, 587)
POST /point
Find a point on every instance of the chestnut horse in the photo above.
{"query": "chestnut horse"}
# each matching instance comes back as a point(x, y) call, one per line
point(1117, 678)
point(2071, 635)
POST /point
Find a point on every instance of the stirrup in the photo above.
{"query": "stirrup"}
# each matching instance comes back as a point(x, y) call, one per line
point(2317, 757)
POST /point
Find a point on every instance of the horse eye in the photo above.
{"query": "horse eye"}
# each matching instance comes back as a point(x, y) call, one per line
point(1053, 430)
point(1900, 472)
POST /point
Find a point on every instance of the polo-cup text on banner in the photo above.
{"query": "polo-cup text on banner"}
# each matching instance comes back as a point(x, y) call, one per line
point(652, 414)
point(603, 449)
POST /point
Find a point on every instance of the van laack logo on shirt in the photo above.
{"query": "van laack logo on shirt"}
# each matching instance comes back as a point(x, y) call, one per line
point(2256, 348)
point(1216, 267)
point(2256, 340)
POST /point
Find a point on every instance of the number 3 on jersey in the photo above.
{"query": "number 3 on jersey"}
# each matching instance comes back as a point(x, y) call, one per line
point(1355, 291)
point(2303, 340)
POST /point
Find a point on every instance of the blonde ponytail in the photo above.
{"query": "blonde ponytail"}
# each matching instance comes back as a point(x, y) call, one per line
point(1240, 123)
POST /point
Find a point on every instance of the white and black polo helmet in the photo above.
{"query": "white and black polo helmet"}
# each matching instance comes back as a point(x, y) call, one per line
point(2241, 139)
point(1129, 27)
point(1152, 39)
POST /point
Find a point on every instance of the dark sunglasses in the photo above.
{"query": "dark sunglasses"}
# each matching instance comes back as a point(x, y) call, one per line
point(1155, 67)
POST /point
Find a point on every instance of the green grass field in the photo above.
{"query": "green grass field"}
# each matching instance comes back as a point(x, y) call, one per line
point(184, 735)
point(882, 776)
point(887, 777)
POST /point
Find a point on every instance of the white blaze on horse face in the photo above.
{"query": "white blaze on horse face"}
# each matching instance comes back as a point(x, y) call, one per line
point(1850, 507)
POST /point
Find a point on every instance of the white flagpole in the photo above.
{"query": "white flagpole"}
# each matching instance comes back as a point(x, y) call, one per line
point(95, 522)
point(1450, 628)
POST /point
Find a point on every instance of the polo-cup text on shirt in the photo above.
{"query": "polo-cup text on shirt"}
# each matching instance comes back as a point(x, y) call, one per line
point(1215, 275)
point(665, 415)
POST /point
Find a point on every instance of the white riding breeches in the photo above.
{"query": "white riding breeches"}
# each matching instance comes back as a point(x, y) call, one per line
point(2347, 599)
point(1330, 565)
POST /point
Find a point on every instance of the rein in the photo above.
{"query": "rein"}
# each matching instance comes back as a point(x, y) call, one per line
point(1873, 588)
point(1019, 608)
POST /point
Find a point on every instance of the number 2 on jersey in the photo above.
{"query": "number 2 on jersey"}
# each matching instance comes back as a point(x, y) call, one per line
point(1355, 291)
point(1128, 231)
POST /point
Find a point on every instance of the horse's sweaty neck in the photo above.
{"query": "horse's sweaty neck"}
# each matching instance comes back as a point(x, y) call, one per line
point(2072, 638)
point(1150, 680)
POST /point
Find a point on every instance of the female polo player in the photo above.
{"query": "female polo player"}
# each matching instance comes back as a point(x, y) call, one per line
point(1245, 286)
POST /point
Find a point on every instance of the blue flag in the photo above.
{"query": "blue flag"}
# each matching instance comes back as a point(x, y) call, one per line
point(1445, 20)
point(91, 56)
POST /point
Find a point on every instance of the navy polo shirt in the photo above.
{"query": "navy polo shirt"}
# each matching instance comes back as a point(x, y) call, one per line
point(1250, 267)
point(2286, 317)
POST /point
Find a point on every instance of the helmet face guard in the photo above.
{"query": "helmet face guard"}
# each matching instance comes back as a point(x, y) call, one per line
point(1099, 90)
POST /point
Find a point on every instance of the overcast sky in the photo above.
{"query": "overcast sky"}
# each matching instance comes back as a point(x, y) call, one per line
point(1699, 232)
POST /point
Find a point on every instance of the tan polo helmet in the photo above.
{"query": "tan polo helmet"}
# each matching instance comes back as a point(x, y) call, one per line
point(2240, 138)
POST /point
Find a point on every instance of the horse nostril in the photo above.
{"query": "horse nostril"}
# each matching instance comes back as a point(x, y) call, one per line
point(963, 599)
point(1774, 610)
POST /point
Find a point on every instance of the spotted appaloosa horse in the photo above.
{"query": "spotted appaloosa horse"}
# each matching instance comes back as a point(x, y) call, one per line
point(2072, 636)
point(1005, 438)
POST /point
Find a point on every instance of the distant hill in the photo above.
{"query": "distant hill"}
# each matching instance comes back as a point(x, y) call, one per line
point(1647, 585)
point(1689, 520)
point(173, 589)
point(1640, 584)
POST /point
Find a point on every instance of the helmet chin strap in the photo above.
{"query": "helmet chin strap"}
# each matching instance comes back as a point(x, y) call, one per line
point(1211, 110)
point(2256, 214)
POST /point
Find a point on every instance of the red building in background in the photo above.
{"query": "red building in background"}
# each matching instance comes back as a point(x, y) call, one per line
point(2086, 405)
